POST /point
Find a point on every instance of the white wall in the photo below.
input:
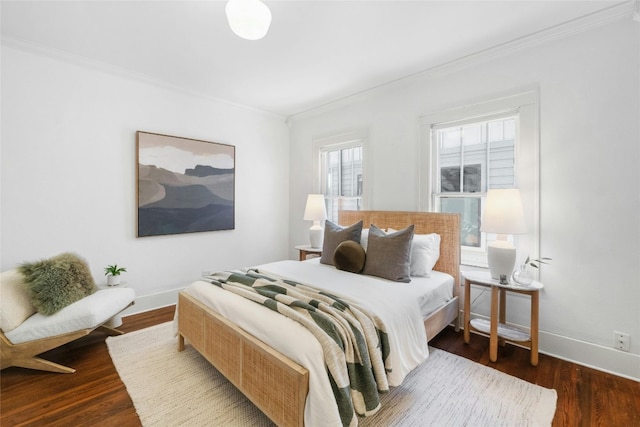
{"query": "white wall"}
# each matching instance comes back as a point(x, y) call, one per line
point(69, 180)
point(589, 86)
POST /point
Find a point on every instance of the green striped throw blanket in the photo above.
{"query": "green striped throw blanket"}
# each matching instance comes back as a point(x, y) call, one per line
point(354, 341)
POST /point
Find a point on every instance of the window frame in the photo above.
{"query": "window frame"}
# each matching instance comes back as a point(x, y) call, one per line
point(473, 254)
point(527, 158)
point(340, 141)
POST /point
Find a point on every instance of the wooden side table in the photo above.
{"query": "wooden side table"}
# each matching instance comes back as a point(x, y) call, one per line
point(306, 250)
point(496, 328)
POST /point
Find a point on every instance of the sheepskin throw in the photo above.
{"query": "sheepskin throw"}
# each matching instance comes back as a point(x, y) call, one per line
point(56, 282)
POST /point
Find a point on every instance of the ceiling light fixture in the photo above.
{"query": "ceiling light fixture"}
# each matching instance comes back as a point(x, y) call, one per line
point(249, 19)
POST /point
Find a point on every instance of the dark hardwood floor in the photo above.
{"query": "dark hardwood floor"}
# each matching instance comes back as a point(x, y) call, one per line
point(94, 395)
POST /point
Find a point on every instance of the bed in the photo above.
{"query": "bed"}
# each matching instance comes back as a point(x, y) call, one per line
point(273, 381)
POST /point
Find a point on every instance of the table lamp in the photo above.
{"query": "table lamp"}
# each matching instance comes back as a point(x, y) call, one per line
point(503, 215)
point(316, 212)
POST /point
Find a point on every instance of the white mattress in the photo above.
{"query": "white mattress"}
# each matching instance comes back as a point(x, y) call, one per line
point(401, 306)
point(88, 313)
point(430, 292)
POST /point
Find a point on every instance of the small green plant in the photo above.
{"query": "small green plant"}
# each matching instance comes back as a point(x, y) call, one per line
point(114, 270)
point(535, 263)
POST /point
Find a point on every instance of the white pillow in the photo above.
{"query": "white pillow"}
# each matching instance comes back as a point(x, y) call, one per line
point(364, 238)
point(425, 251)
point(15, 304)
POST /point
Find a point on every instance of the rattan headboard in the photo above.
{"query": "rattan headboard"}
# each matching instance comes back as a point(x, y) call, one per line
point(447, 225)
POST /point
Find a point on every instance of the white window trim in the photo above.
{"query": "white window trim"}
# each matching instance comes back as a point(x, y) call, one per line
point(337, 141)
point(527, 171)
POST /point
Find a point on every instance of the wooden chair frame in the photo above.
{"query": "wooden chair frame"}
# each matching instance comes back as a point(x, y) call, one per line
point(24, 355)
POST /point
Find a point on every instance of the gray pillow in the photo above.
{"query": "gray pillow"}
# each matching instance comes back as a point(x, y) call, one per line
point(389, 255)
point(334, 235)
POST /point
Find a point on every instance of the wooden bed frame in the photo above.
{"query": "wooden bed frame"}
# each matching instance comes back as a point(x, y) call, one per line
point(277, 385)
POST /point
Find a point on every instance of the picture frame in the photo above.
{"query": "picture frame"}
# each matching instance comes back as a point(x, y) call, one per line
point(184, 185)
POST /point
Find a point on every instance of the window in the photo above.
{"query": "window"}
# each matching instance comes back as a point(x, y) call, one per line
point(467, 151)
point(470, 159)
point(341, 175)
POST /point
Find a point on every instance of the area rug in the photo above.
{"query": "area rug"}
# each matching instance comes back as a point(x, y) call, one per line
point(171, 388)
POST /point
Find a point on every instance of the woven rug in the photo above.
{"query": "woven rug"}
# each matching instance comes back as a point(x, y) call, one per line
point(171, 388)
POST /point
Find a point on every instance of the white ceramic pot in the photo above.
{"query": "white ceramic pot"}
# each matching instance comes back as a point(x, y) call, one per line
point(113, 280)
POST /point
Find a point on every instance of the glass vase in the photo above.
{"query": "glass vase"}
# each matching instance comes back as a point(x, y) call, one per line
point(522, 275)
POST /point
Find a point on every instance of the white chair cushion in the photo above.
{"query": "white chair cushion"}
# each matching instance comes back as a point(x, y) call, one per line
point(88, 313)
point(15, 305)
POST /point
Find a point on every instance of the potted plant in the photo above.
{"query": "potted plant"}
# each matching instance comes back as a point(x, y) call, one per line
point(113, 274)
point(535, 263)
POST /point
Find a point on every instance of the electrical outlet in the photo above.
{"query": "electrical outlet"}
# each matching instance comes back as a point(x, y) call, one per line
point(621, 341)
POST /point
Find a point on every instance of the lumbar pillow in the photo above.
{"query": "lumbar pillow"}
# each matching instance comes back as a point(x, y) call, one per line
point(15, 304)
point(334, 235)
point(389, 255)
point(56, 282)
point(349, 256)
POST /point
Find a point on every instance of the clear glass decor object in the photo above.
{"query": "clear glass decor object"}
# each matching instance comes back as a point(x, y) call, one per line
point(522, 276)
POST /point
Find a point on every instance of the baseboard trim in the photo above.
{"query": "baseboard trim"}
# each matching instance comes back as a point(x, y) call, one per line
point(153, 301)
point(596, 356)
point(590, 355)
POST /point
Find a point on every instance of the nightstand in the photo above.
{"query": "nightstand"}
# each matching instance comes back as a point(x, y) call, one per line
point(306, 250)
point(115, 321)
point(496, 328)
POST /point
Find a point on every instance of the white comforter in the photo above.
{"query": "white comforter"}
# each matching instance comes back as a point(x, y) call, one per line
point(397, 304)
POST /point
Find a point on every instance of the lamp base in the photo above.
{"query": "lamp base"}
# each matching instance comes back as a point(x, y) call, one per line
point(501, 257)
point(316, 235)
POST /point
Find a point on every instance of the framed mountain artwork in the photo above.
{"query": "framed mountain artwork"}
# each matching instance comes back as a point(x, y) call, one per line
point(184, 185)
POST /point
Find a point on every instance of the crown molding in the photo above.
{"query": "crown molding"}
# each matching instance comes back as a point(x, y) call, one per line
point(594, 20)
point(81, 61)
point(611, 14)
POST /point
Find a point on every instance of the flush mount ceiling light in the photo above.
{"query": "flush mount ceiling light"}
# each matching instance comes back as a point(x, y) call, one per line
point(249, 19)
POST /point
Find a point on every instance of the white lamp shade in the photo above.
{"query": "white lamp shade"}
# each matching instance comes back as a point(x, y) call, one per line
point(249, 19)
point(503, 212)
point(315, 209)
